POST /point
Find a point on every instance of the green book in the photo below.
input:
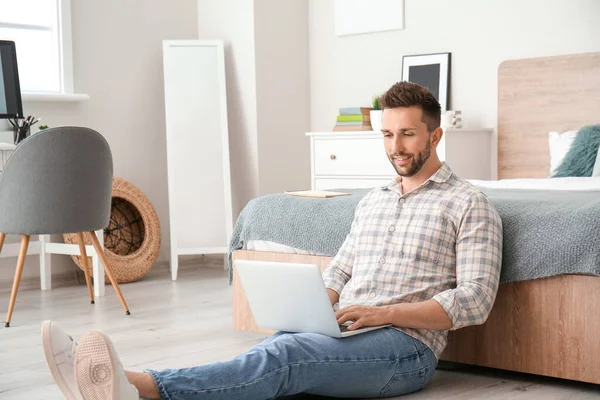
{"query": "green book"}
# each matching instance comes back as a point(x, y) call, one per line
point(350, 118)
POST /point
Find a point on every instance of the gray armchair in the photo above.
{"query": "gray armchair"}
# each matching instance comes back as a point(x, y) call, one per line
point(58, 181)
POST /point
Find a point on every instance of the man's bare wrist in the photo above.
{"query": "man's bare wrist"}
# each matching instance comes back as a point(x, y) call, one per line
point(389, 313)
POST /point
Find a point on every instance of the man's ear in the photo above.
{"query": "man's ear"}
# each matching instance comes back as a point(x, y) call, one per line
point(436, 136)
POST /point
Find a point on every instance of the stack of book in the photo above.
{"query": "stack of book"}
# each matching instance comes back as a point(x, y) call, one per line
point(353, 119)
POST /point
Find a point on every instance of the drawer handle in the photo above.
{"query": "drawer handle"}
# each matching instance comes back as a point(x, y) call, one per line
point(333, 157)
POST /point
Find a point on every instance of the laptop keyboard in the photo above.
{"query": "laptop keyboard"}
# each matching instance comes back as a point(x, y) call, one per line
point(344, 328)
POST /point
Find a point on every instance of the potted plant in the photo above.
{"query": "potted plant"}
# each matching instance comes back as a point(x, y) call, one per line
point(376, 115)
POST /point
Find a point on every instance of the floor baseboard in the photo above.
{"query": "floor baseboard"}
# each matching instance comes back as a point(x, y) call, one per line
point(33, 282)
point(76, 277)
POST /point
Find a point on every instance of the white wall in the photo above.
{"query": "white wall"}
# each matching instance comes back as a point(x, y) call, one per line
point(349, 70)
point(266, 61)
point(233, 22)
point(117, 57)
point(283, 94)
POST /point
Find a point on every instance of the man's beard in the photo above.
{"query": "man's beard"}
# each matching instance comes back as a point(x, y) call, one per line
point(416, 162)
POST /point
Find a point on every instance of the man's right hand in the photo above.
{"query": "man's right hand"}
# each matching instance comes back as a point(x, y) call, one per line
point(334, 297)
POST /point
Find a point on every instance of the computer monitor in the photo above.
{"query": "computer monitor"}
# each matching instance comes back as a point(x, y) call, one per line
point(11, 105)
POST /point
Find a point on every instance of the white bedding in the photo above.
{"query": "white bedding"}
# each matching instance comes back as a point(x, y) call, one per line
point(542, 184)
point(265, 245)
point(539, 184)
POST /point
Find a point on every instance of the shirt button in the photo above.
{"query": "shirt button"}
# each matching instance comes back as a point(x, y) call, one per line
point(392, 228)
point(402, 201)
point(372, 294)
point(382, 261)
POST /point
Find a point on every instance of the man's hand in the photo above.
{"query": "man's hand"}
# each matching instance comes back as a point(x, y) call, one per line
point(363, 316)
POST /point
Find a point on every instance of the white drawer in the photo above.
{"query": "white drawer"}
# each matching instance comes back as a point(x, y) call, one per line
point(351, 156)
point(4, 155)
point(340, 183)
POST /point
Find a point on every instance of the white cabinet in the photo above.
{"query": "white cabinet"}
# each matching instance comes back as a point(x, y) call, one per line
point(351, 156)
point(348, 160)
point(348, 183)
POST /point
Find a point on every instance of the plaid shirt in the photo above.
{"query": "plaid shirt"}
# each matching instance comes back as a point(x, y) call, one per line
point(441, 241)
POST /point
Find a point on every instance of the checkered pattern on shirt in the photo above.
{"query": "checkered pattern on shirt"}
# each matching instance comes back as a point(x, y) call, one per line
point(441, 241)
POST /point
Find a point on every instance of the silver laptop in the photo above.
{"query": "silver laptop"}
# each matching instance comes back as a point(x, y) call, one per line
point(290, 297)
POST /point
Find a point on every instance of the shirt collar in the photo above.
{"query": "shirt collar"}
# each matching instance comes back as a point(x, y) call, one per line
point(440, 176)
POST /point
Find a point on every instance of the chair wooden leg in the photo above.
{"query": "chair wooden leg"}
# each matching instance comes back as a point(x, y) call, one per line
point(86, 269)
point(17, 281)
point(2, 237)
point(108, 271)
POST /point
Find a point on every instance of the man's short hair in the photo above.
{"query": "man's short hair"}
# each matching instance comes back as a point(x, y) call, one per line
point(408, 94)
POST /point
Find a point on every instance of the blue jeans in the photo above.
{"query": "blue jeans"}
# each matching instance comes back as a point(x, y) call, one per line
point(381, 363)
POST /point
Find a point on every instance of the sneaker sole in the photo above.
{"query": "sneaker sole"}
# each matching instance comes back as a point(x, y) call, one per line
point(47, 345)
point(95, 368)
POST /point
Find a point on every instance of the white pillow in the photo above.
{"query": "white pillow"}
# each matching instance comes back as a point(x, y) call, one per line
point(560, 143)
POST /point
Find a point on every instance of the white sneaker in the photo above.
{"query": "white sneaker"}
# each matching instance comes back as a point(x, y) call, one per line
point(99, 372)
point(59, 350)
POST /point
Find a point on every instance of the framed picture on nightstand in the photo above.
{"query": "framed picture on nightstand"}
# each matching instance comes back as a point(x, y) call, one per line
point(431, 71)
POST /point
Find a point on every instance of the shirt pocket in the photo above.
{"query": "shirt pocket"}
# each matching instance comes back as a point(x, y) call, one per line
point(427, 239)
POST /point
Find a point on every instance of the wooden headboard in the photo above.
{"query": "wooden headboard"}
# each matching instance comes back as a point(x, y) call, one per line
point(537, 96)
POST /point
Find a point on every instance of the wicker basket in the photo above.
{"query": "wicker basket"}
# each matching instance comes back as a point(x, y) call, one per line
point(132, 238)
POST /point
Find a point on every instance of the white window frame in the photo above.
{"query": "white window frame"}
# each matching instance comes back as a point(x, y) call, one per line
point(65, 46)
point(65, 49)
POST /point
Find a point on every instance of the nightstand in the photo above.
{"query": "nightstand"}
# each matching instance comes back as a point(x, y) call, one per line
point(348, 160)
point(351, 160)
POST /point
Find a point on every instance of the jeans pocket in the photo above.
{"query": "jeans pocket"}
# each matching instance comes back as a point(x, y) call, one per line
point(405, 382)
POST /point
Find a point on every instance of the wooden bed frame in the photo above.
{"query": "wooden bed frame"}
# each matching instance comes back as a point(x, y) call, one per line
point(546, 326)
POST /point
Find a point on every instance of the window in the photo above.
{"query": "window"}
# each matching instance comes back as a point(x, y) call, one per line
point(41, 30)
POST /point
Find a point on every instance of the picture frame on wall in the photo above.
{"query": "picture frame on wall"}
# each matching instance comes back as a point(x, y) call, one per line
point(431, 71)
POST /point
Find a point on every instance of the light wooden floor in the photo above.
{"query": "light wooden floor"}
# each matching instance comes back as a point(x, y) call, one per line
point(187, 322)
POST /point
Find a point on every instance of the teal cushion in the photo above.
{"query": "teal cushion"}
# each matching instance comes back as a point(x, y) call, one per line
point(581, 157)
point(596, 171)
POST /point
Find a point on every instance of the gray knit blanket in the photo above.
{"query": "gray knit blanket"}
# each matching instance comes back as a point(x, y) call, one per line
point(546, 233)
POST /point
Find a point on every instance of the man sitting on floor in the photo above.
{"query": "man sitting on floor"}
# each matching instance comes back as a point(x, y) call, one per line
point(423, 254)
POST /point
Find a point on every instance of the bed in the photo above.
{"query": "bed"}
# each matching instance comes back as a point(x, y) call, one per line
point(545, 326)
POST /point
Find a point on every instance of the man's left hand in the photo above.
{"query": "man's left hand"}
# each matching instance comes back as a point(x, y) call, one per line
point(363, 316)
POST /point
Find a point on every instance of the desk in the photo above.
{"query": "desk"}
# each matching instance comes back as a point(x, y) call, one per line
point(44, 247)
